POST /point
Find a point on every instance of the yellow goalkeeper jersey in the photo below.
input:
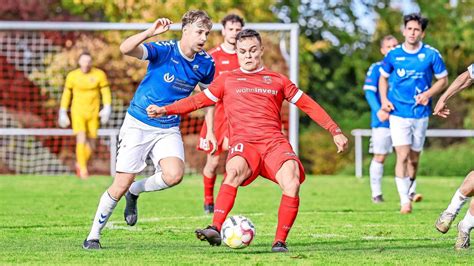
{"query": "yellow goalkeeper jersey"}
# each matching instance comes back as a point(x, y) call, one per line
point(86, 89)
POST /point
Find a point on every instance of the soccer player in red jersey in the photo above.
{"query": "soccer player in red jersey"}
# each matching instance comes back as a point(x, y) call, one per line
point(214, 134)
point(252, 98)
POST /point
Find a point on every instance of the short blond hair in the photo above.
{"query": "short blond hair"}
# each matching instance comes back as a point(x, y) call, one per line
point(196, 15)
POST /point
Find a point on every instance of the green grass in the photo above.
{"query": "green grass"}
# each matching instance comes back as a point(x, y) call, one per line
point(453, 160)
point(44, 219)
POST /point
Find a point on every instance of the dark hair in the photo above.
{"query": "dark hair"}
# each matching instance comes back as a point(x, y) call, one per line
point(416, 17)
point(386, 38)
point(248, 33)
point(195, 15)
point(233, 18)
point(84, 52)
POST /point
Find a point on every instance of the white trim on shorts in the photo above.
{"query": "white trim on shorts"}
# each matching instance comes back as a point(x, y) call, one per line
point(138, 140)
point(408, 131)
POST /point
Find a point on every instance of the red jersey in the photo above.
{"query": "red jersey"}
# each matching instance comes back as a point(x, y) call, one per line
point(253, 102)
point(225, 61)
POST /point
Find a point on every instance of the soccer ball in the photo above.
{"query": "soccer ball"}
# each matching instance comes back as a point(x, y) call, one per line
point(237, 231)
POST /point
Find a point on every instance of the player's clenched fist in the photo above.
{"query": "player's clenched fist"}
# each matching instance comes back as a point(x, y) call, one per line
point(160, 26)
point(387, 106)
point(154, 111)
point(341, 142)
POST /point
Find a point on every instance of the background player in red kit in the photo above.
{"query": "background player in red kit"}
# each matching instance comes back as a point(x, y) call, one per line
point(252, 98)
point(214, 130)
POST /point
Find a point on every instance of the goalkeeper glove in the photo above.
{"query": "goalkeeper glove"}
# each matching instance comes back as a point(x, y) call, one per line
point(104, 114)
point(63, 120)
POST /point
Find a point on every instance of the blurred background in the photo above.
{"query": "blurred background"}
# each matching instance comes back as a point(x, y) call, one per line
point(338, 42)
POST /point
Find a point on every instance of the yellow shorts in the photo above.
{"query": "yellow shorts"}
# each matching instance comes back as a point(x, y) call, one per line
point(81, 123)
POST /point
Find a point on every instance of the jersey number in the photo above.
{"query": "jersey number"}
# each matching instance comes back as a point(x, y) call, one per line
point(239, 147)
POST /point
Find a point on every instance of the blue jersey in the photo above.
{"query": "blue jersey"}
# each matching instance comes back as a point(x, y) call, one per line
point(413, 73)
point(371, 88)
point(170, 76)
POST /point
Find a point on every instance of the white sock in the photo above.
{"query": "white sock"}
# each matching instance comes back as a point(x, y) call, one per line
point(457, 202)
point(403, 185)
point(152, 183)
point(104, 210)
point(376, 173)
point(412, 189)
point(468, 222)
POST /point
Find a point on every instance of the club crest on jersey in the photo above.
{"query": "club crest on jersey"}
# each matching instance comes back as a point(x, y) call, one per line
point(267, 79)
point(195, 67)
point(168, 78)
point(401, 72)
point(421, 57)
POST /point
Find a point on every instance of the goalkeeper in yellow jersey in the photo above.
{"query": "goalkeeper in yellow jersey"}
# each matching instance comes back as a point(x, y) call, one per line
point(86, 86)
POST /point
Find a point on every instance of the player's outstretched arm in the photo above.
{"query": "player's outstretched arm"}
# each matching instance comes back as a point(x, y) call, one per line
point(322, 118)
point(180, 107)
point(131, 45)
point(461, 82)
point(210, 136)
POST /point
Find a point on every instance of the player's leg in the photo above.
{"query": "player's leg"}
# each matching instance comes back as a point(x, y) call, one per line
point(167, 155)
point(419, 136)
point(209, 173)
point(242, 165)
point(79, 127)
point(465, 226)
point(92, 127)
point(381, 145)
point(460, 197)
point(288, 177)
point(402, 138)
point(107, 204)
point(413, 161)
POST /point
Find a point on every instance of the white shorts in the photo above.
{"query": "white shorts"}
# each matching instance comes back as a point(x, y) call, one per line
point(137, 140)
point(408, 131)
point(380, 142)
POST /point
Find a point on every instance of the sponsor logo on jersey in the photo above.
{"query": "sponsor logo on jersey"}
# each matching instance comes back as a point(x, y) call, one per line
point(400, 58)
point(241, 79)
point(257, 90)
point(225, 62)
point(267, 79)
point(168, 78)
point(401, 72)
point(421, 56)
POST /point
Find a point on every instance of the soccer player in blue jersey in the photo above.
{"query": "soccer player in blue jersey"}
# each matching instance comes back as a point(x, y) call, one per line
point(412, 65)
point(466, 190)
point(175, 68)
point(380, 142)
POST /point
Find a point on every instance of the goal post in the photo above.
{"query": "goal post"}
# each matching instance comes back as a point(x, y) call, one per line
point(28, 50)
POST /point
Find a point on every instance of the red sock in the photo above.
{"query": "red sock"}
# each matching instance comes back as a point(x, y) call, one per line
point(224, 203)
point(209, 189)
point(286, 216)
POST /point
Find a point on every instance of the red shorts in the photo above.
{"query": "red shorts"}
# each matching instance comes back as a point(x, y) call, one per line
point(220, 130)
point(265, 159)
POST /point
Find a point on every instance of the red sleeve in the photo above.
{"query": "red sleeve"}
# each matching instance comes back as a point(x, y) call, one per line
point(290, 90)
point(205, 98)
point(189, 104)
point(318, 114)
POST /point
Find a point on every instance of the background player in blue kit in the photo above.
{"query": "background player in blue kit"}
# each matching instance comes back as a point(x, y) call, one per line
point(380, 142)
point(412, 65)
point(175, 69)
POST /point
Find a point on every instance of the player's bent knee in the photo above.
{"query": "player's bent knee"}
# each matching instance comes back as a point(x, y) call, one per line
point(174, 177)
point(291, 186)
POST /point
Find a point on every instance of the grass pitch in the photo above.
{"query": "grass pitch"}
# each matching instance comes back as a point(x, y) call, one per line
point(44, 219)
